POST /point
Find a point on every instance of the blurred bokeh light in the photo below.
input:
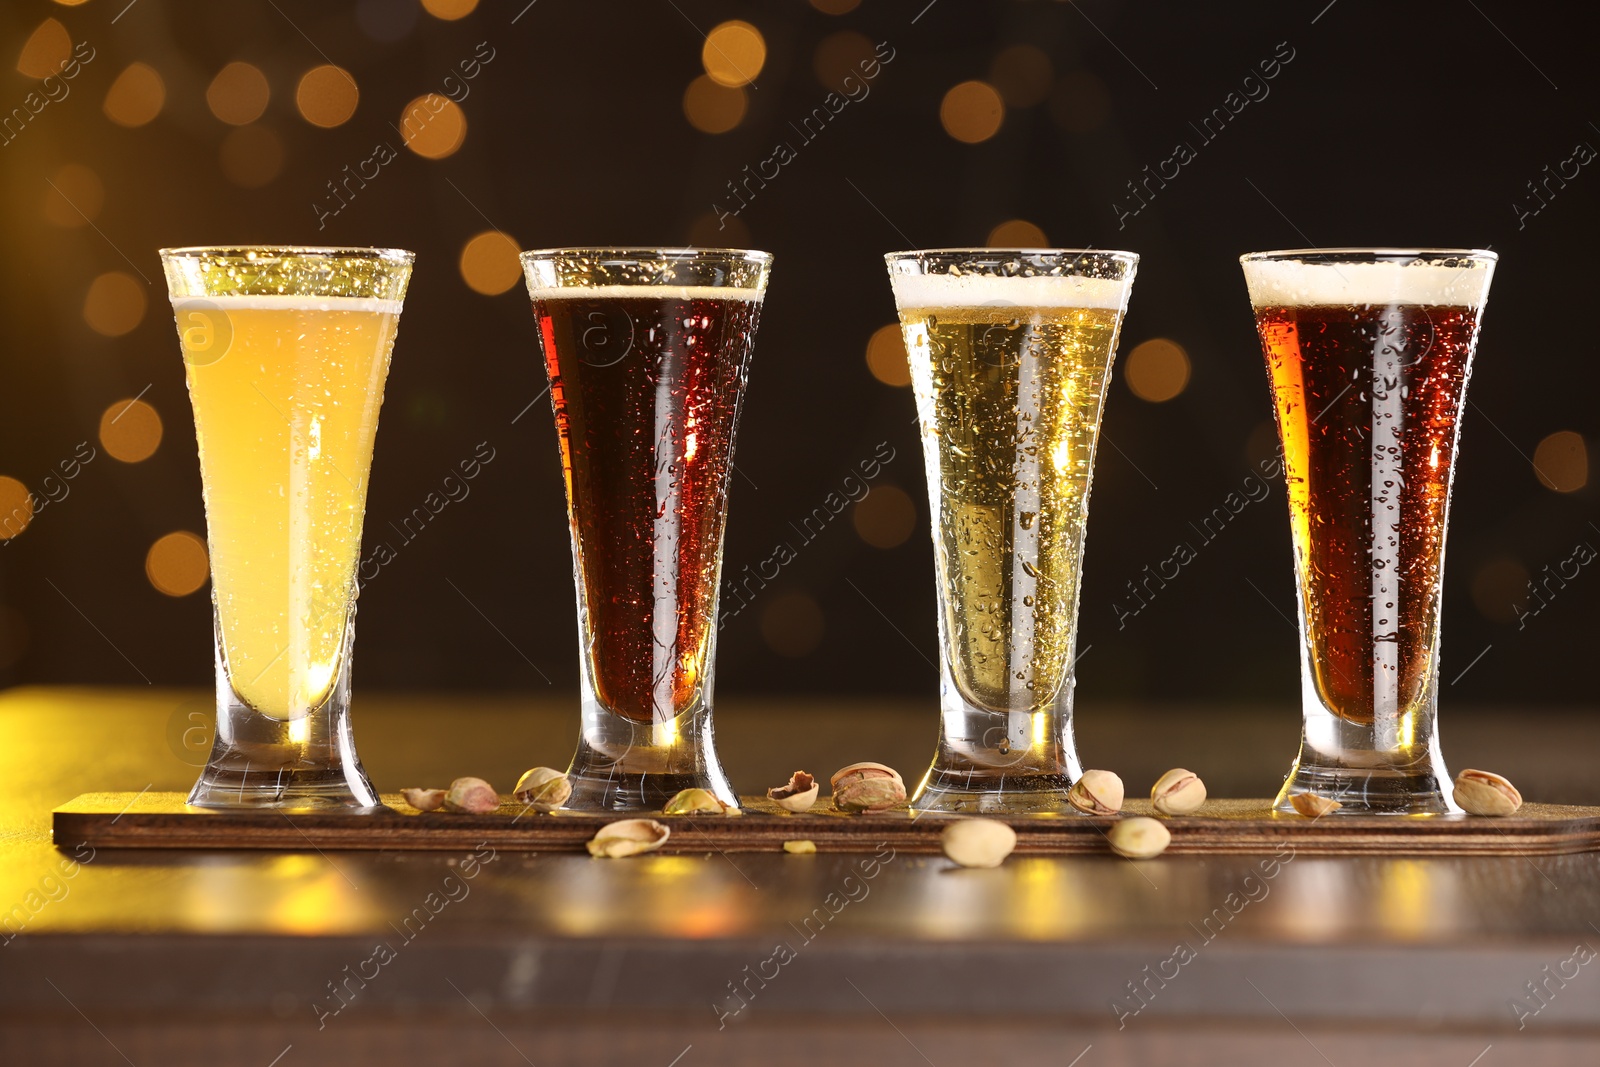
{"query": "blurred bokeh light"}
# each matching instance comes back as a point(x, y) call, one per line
point(489, 263)
point(177, 563)
point(733, 54)
point(137, 96)
point(972, 111)
point(114, 304)
point(16, 507)
point(130, 430)
point(1017, 233)
point(1157, 370)
point(433, 126)
point(713, 108)
point(239, 94)
point(886, 356)
point(449, 10)
point(45, 51)
point(326, 96)
point(885, 517)
point(1561, 462)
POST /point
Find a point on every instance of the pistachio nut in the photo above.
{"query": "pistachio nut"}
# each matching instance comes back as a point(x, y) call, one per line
point(1139, 837)
point(1097, 793)
point(424, 799)
point(628, 837)
point(543, 789)
point(1486, 793)
point(698, 802)
point(1312, 806)
point(869, 794)
point(857, 771)
point(1178, 792)
point(798, 795)
point(978, 842)
point(867, 787)
point(800, 848)
point(471, 795)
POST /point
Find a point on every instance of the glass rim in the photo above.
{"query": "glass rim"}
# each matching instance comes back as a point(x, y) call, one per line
point(1109, 253)
point(396, 255)
point(646, 252)
point(1357, 254)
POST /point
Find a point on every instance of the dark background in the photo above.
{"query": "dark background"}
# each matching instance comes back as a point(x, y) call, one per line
point(1414, 124)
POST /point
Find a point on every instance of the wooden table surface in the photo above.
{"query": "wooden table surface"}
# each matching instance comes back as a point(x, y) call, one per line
point(171, 957)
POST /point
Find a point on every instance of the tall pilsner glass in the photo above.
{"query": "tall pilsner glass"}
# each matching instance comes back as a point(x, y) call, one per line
point(1010, 354)
point(1369, 351)
point(647, 352)
point(286, 352)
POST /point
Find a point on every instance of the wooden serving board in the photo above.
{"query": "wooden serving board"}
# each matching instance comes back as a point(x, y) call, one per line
point(162, 820)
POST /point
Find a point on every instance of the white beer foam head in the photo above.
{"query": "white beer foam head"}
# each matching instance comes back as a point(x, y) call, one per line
point(292, 302)
point(987, 290)
point(642, 292)
point(1291, 283)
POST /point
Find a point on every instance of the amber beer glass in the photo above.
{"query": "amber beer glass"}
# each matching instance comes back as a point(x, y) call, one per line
point(1010, 354)
point(1369, 352)
point(647, 352)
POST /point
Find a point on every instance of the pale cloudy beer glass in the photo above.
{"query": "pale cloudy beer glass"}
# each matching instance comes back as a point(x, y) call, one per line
point(1369, 351)
point(286, 352)
point(1010, 354)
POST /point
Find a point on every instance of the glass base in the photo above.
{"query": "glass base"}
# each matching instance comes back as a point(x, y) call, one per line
point(1388, 766)
point(1416, 789)
point(625, 766)
point(1003, 794)
point(266, 776)
point(1000, 762)
point(300, 764)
